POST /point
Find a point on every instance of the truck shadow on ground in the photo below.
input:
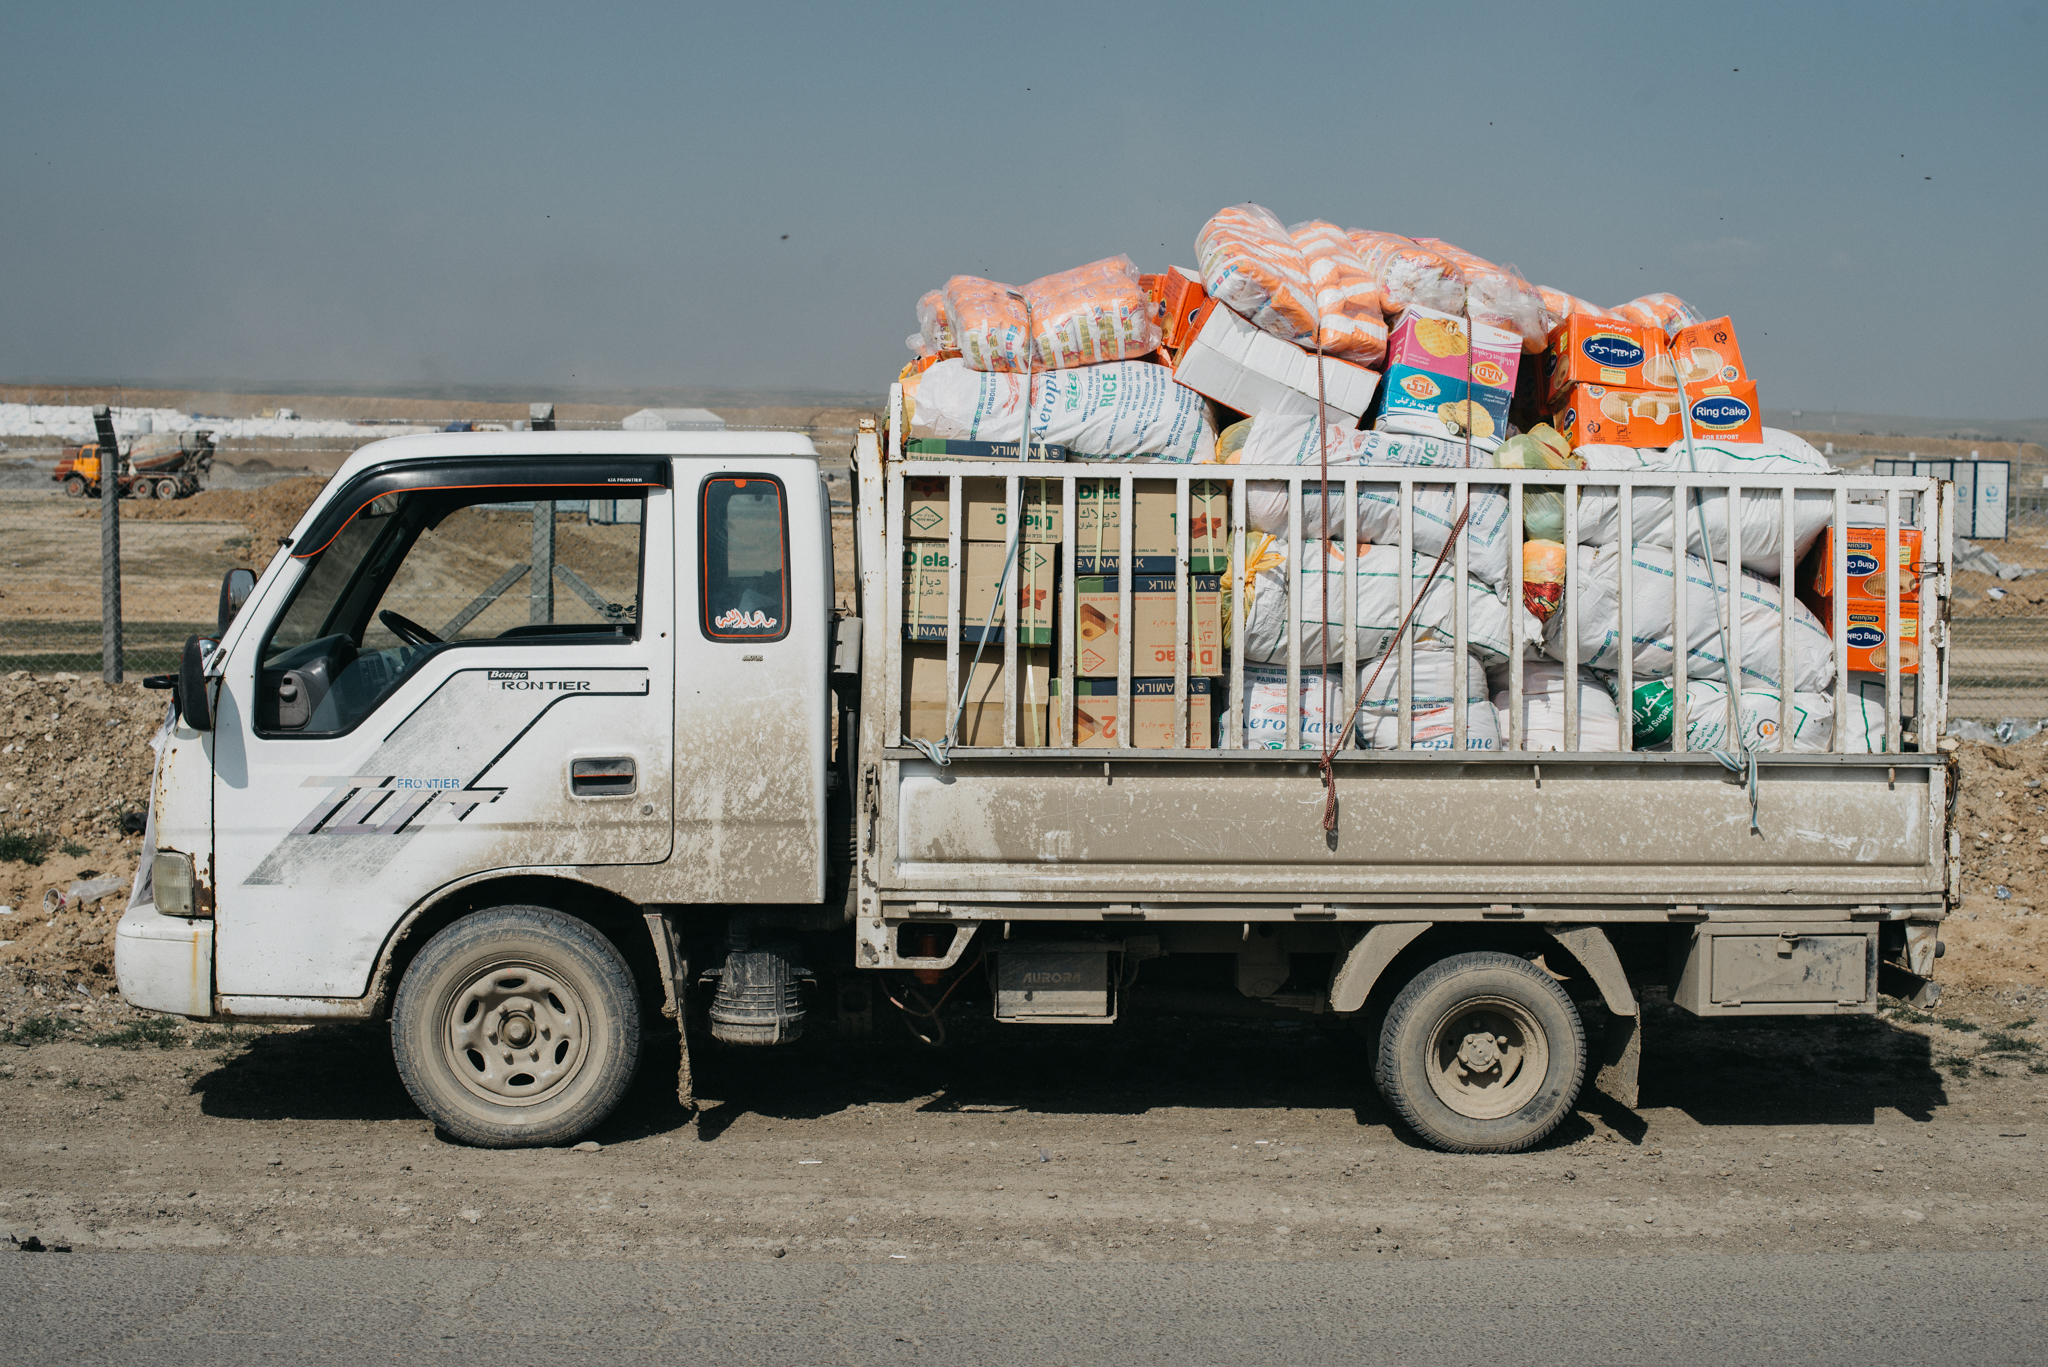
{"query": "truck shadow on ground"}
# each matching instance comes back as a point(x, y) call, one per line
point(1783, 1071)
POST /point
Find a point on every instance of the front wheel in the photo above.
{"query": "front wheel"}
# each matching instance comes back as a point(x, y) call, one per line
point(1481, 1053)
point(517, 1026)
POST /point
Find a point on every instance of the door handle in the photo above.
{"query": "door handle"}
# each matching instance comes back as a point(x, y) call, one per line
point(610, 777)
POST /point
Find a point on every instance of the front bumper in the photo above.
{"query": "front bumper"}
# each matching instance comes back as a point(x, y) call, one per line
point(165, 963)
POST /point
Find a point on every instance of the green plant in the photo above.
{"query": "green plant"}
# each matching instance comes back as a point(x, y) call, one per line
point(1910, 1016)
point(1989, 1071)
point(217, 1039)
point(161, 1031)
point(1958, 1024)
point(2037, 1067)
point(22, 847)
point(74, 849)
point(2003, 1042)
point(1956, 1064)
point(40, 1030)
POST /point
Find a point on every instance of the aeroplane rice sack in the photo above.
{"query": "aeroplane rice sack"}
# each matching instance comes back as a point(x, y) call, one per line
point(1374, 575)
point(1272, 439)
point(1249, 263)
point(1348, 306)
point(1706, 718)
point(1409, 273)
point(1761, 512)
point(1321, 703)
point(1595, 580)
point(1543, 701)
point(1125, 408)
point(1090, 315)
point(1433, 716)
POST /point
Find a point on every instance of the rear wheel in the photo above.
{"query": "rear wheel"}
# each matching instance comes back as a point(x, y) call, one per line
point(167, 489)
point(517, 1026)
point(74, 486)
point(1481, 1053)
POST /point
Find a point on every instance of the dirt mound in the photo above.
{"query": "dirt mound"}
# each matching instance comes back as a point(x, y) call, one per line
point(74, 756)
point(1998, 942)
point(269, 513)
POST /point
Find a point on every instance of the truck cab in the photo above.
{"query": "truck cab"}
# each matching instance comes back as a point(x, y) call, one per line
point(573, 681)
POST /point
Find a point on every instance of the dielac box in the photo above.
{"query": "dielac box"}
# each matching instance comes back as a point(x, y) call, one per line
point(1155, 538)
point(1707, 353)
point(1588, 350)
point(927, 589)
point(1597, 415)
point(1097, 635)
point(985, 508)
point(1152, 714)
point(1725, 412)
point(927, 709)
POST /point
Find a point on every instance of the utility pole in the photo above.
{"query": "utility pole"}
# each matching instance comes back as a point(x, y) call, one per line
point(110, 545)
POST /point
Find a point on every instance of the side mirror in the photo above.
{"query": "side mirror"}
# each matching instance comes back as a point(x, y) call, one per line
point(192, 700)
point(235, 588)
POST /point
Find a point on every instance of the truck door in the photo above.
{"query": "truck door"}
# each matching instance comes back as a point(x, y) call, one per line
point(471, 669)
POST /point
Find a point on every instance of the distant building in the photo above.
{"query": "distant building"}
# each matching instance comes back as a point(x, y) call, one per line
point(673, 420)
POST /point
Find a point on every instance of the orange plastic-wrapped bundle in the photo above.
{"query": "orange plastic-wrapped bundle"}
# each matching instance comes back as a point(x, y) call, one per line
point(1354, 325)
point(1561, 306)
point(1409, 273)
point(1086, 316)
point(933, 337)
point(1543, 577)
point(1091, 315)
point(987, 321)
point(1248, 261)
point(1665, 311)
point(1498, 296)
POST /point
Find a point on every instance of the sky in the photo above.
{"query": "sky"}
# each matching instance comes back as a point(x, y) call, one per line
point(619, 195)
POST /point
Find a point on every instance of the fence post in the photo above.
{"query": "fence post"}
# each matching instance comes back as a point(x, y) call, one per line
point(110, 545)
point(541, 583)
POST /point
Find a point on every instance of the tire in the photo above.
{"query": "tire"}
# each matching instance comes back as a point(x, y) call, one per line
point(142, 489)
point(517, 1025)
point(167, 489)
point(74, 486)
point(1481, 1053)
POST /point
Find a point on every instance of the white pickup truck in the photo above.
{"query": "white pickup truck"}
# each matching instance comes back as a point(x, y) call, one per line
point(524, 741)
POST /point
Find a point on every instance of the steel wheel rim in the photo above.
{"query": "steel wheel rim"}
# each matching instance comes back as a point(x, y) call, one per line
point(515, 1033)
point(1487, 1057)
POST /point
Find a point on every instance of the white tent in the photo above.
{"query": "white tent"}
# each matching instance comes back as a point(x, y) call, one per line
point(673, 420)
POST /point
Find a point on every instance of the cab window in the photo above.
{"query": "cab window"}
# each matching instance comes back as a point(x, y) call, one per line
point(744, 540)
point(419, 572)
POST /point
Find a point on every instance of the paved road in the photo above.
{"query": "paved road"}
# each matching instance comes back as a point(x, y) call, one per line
point(173, 1309)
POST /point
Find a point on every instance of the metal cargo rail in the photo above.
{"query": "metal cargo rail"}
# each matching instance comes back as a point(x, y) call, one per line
point(1904, 502)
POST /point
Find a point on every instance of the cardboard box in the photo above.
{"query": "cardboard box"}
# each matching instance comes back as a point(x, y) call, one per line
point(985, 508)
point(1588, 350)
point(1098, 603)
point(947, 448)
point(1444, 344)
point(1725, 412)
point(1707, 353)
point(1235, 364)
point(1865, 649)
point(1868, 570)
point(1155, 537)
point(927, 710)
point(1152, 714)
point(928, 580)
point(1594, 414)
point(1430, 404)
point(1181, 301)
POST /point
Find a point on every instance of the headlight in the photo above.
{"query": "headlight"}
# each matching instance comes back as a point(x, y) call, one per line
point(171, 881)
